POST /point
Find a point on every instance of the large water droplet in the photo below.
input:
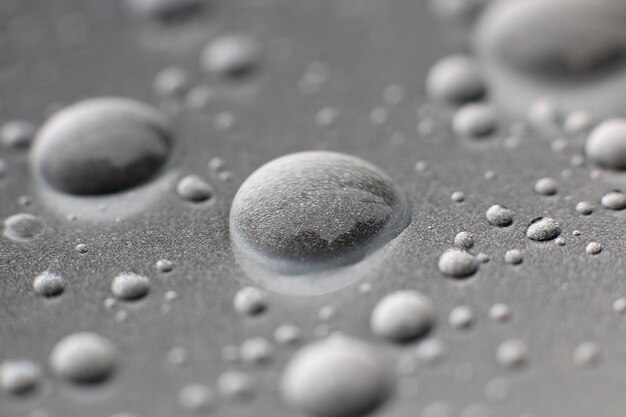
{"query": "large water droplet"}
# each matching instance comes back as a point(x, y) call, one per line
point(314, 210)
point(321, 379)
point(101, 146)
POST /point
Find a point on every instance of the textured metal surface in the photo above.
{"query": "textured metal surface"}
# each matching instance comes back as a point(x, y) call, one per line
point(54, 53)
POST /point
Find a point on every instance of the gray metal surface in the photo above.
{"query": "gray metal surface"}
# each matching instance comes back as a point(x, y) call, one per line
point(54, 53)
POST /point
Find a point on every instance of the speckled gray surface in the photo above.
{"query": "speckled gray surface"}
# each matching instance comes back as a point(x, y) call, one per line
point(54, 53)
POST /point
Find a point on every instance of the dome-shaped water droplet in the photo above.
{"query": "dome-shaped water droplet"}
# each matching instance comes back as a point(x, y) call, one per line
point(250, 301)
point(500, 216)
point(457, 263)
point(402, 316)
point(321, 379)
point(101, 146)
point(233, 55)
point(194, 188)
point(83, 358)
point(606, 145)
point(130, 286)
point(543, 228)
point(455, 79)
point(48, 284)
point(19, 377)
point(282, 212)
point(475, 121)
point(614, 200)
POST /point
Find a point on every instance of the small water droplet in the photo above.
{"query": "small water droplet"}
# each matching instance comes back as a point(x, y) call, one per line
point(19, 377)
point(457, 264)
point(593, 248)
point(194, 188)
point(130, 286)
point(543, 228)
point(546, 186)
point(500, 312)
point(587, 354)
point(455, 80)
point(614, 200)
point(512, 353)
point(235, 386)
point(232, 56)
point(196, 398)
point(287, 334)
point(164, 266)
point(17, 134)
point(457, 197)
point(476, 121)
point(250, 301)
point(513, 257)
point(257, 350)
point(48, 284)
point(585, 208)
point(464, 240)
point(461, 317)
point(500, 216)
point(402, 316)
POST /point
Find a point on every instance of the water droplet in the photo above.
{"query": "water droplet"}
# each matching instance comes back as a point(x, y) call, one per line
point(430, 350)
point(17, 134)
point(585, 208)
point(194, 188)
point(23, 226)
point(196, 398)
point(101, 146)
point(250, 301)
point(455, 79)
point(461, 317)
point(483, 258)
point(457, 197)
point(172, 82)
point(257, 351)
point(233, 56)
point(570, 49)
point(130, 286)
point(287, 334)
point(320, 379)
point(606, 145)
point(165, 10)
point(19, 377)
point(512, 353)
point(546, 186)
point(48, 284)
point(457, 264)
point(82, 248)
point(402, 316)
point(614, 200)
point(235, 386)
point(587, 354)
point(543, 228)
point(475, 121)
point(593, 248)
point(83, 358)
point(500, 312)
point(280, 213)
point(513, 257)
point(164, 266)
point(577, 122)
point(464, 240)
point(500, 216)
point(619, 305)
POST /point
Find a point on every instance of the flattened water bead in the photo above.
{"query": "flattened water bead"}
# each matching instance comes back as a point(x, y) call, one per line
point(606, 145)
point(23, 226)
point(337, 377)
point(101, 146)
point(402, 316)
point(317, 209)
point(83, 358)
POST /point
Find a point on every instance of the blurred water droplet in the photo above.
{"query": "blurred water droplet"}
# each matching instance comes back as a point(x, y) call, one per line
point(84, 358)
point(23, 226)
point(130, 286)
point(19, 377)
point(233, 56)
point(48, 284)
point(455, 80)
point(402, 316)
point(250, 301)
